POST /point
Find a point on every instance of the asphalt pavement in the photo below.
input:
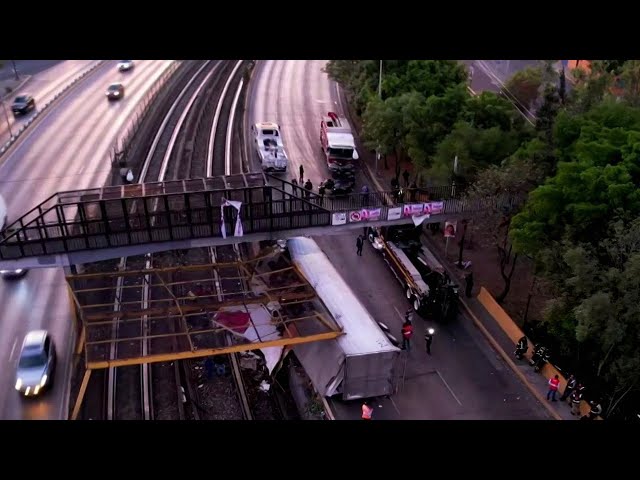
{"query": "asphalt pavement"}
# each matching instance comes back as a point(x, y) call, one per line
point(29, 67)
point(464, 378)
point(43, 84)
point(67, 149)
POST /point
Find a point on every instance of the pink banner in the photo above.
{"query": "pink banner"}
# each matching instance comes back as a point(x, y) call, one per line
point(434, 208)
point(366, 214)
point(412, 209)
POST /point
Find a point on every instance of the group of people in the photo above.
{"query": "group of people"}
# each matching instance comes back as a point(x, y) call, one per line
point(407, 332)
point(574, 391)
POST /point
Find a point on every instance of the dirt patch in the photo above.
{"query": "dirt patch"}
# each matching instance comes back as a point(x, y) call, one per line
point(480, 249)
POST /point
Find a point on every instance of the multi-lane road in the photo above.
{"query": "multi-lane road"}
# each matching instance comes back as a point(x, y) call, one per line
point(464, 378)
point(48, 78)
point(67, 149)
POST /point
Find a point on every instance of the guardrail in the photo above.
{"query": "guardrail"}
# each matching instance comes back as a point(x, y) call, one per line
point(39, 111)
point(120, 148)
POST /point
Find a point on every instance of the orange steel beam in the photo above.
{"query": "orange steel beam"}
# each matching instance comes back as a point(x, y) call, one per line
point(169, 357)
point(80, 397)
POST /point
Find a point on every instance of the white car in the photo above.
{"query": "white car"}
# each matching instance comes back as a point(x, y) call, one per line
point(36, 364)
point(125, 65)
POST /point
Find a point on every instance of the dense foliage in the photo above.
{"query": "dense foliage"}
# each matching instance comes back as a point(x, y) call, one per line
point(579, 165)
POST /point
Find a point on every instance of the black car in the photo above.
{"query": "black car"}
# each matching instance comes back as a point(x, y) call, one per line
point(115, 91)
point(339, 186)
point(23, 104)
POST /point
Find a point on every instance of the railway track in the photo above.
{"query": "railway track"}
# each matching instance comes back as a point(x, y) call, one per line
point(156, 391)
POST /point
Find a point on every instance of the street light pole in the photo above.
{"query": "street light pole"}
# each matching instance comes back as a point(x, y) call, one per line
point(4, 107)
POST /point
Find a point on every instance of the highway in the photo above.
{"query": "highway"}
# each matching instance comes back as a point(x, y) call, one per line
point(67, 149)
point(464, 378)
point(43, 86)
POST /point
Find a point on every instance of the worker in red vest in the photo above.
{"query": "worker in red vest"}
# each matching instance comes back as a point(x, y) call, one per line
point(554, 383)
point(367, 410)
point(407, 333)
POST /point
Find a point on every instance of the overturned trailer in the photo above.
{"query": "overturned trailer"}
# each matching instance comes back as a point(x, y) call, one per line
point(359, 364)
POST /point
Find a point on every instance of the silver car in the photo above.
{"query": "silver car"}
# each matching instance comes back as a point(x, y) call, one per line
point(37, 363)
point(125, 65)
point(12, 274)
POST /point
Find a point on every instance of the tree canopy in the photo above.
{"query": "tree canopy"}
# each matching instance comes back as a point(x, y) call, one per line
point(579, 169)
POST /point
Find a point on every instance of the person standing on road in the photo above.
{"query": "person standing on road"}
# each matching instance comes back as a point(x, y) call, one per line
point(428, 338)
point(571, 384)
point(301, 173)
point(596, 410)
point(469, 284)
point(407, 333)
point(359, 244)
point(367, 410)
point(408, 315)
point(554, 383)
point(576, 398)
point(406, 176)
point(321, 192)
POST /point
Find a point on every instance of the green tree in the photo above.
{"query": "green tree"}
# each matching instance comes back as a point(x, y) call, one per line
point(476, 149)
point(507, 184)
point(546, 114)
point(384, 128)
point(428, 77)
point(489, 110)
point(597, 313)
point(524, 85)
point(630, 82)
point(596, 180)
point(592, 86)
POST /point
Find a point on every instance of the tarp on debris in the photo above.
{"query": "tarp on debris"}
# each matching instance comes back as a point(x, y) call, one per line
point(254, 324)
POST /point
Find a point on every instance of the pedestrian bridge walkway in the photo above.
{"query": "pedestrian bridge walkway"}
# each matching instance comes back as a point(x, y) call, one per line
point(91, 225)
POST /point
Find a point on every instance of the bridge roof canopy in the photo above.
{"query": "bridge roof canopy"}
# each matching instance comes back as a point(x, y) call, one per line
point(191, 311)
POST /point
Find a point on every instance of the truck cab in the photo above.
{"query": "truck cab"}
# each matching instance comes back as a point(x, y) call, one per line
point(269, 146)
point(338, 145)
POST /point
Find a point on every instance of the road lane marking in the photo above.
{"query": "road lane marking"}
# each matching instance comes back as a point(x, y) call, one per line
point(395, 406)
point(448, 387)
point(13, 349)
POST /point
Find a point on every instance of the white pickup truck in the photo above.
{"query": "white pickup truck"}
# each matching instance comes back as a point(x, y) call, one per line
point(268, 142)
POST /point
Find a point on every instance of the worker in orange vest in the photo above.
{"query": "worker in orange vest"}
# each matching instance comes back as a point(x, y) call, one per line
point(407, 333)
point(367, 410)
point(554, 383)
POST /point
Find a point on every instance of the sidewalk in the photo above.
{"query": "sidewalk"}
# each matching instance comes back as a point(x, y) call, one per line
point(496, 336)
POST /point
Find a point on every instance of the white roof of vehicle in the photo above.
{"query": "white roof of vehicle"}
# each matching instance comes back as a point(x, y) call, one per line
point(268, 125)
point(35, 337)
point(362, 333)
point(338, 140)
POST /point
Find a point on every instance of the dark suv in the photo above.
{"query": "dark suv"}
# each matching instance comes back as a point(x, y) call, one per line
point(23, 104)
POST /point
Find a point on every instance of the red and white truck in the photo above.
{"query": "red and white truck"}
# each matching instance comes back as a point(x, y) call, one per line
point(338, 144)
